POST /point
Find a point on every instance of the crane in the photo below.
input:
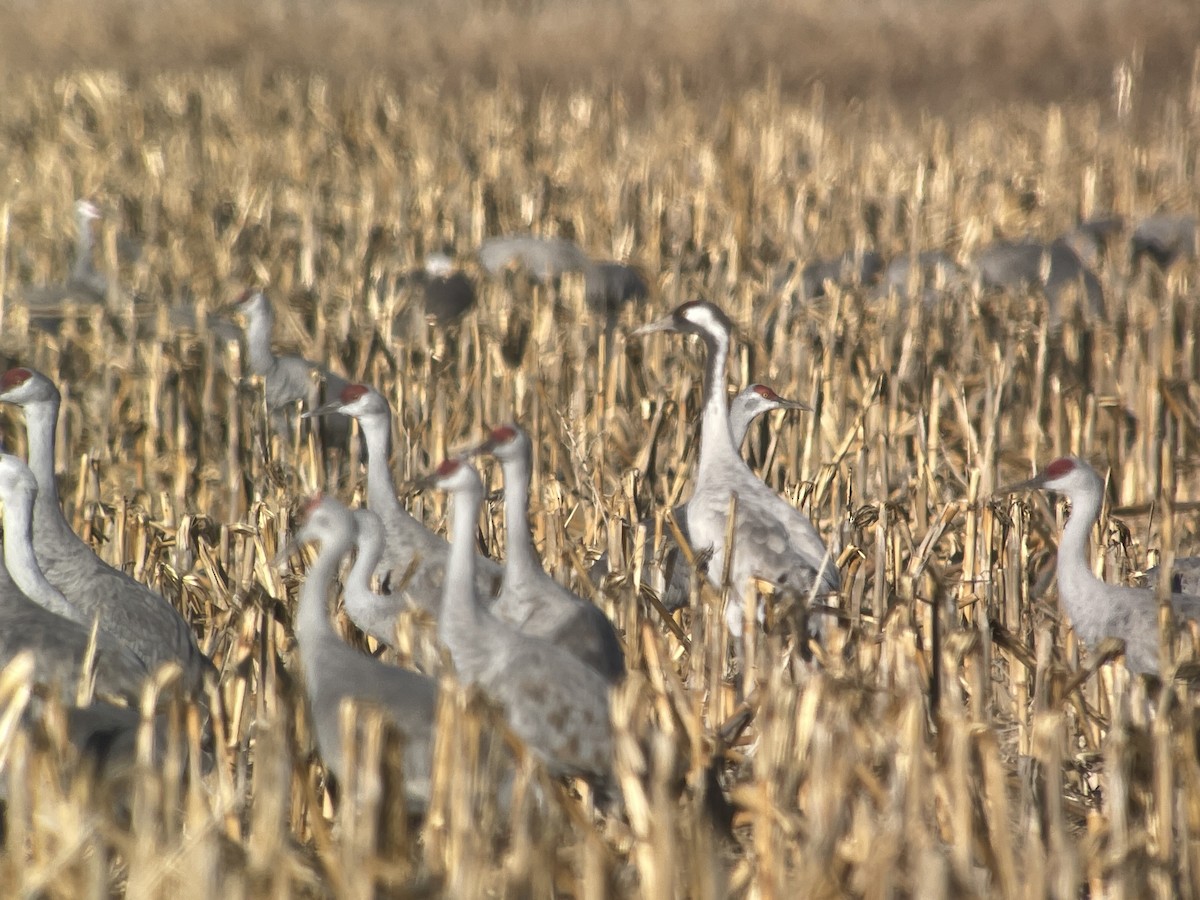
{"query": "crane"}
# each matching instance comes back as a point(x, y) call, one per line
point(773, 541)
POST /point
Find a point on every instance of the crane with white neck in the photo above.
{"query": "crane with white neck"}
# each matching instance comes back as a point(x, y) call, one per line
point(773, 541)
point(1096, 609)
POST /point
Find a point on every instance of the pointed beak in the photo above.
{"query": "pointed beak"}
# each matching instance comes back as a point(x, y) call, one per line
point(794, 404)
point(666, 323)
point(1033, 484)
point(333, 406)
point(483, 447)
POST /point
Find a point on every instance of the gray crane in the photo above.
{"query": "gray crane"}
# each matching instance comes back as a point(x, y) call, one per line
point(750, 403)
point(530, 600)
point(848, 270)
point(335, 672)
point(554, 702)
point(447, 294)
point(372, 613)
point(35, 616)
point(1185, 576)
point(414, 558)
point(544, 258)
point(1053, 267)
point(773, 541)
point(287, 380)
point(1165, 238)
point(85, 286)
point(1098, 610)
point(128, 611)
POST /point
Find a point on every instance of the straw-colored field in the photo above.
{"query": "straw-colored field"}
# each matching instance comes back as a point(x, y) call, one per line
point(954, 741)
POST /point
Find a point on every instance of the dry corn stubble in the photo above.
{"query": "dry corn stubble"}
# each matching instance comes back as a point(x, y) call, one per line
point(946, 749)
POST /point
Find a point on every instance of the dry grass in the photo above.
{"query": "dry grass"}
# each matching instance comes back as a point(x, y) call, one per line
point(946, 748)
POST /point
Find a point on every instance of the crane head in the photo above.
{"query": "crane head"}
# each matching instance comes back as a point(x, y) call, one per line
point(22, 386)
point(1068, 475)
point(697, 317)
point(354, 400)
point(504, 442)
point(760, 397)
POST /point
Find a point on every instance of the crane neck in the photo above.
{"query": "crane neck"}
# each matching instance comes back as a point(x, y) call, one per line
point(1075, 575)
point(83, 268)
point(258, 342)
point(739, 423)
point(462, 615)
point(376, 429)
point(717, 448)
point(370, 550)
point(521, 561)
point(41, 420)
point(313, 625)
point(22, 565)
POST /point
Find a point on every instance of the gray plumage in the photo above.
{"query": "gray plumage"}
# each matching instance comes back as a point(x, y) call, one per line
point(556, 704)
point(85, 286)
point(935, 271)
point(847, 270)
point(372, 613)
point(1165, 238)
point(1185, 576)
point(414, 558)
point(1091, 238)
point(529, 599)
point(773, 541)
point(1095, 609)
point(335, 672)
point(545, 259)
point(1053, 267)
point(288, 380)
point(609, 285)
point(129, 612)
point(750, 403)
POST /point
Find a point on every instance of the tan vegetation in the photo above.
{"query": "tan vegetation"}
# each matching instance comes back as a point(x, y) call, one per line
point(955, 741)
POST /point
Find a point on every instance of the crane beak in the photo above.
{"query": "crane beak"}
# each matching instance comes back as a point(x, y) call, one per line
point(666, 323)
point(483, 447)
point(325, 409)
point(794, 404)
point(1033, 484)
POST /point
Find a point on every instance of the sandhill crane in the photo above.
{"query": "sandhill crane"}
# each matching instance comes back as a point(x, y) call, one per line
point(530, 600)
point(847, 270)
point(335, 672)
point(546, 259)
point(1098, 610)
point(1091, 238)
point(287, 380)
point(36, 617)
point(556, 704)
point(1165, 238)
point(48, 306)
point(773, 541)
point(128, 611)
point(1053, 267)
point(414, 558)
point(750, 403)
point(935, 270)
point(608, 285)
point(372, 613)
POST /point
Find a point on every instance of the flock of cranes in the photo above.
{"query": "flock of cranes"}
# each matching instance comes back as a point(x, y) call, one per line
point(546, 656)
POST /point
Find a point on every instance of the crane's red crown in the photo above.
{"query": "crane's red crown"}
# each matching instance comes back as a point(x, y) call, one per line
point(766, 393)
point(352, 392)
point(244, 296)
point(1060, 467)
point(448, 467)
point(310, 506)
point(14, 377)
point(502, 434)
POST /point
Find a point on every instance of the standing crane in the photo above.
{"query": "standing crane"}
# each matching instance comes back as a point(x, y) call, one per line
point(287, 380)
point(1096, 609)
point(557, 704)
point(773, 541)
point(530, 600)
point(414, 558)
point(335, 672)
point(128, 611)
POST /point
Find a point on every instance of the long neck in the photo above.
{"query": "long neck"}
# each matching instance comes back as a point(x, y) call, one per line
point(376, 431)
point(23, 567)
point(716, 443)
point(41, 418)
point(740, 418)
point(370, 549)
point(1074, 571)
point(462, 615)
point(312, 617)
point(258, 342)
point(522, 560)
point(83, 268)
